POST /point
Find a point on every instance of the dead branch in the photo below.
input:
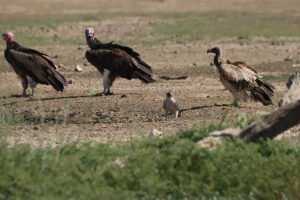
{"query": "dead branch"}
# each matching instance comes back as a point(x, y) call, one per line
point(283, 118)
point(173, 78)
point(274, 123)
point(293, 94)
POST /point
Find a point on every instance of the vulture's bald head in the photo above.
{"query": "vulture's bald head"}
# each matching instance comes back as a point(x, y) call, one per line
point(8, 37)
point(215, 50)
point(89, 35)
point(90, 32)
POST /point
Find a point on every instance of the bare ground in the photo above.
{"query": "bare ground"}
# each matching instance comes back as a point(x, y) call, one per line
point(75, 115)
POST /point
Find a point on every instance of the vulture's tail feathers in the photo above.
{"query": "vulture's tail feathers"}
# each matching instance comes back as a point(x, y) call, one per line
point(263, 92)
point(144, 77)
point(143, 72)
point(57, 80)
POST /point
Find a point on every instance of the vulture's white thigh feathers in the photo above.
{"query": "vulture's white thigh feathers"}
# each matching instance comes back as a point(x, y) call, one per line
point(31, 82)
point(106, 81)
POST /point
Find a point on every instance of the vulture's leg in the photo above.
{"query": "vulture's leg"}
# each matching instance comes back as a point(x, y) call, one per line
point(236, 97)
point(109, 92)
point(107, 83)
point(104, 91)
point(25, 85)
point(176, 114)
point(32, 84)
point(32, 91)
point(235, 103)
point(166, 113)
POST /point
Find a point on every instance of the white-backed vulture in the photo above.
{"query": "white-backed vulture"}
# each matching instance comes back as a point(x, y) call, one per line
point(32, 66)
point(114, 60)
point(242, 80)
point(170, 105)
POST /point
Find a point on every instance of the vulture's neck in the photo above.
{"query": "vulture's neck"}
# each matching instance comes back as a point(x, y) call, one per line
point(12, 45)
point(217, 60)
point(95, 43)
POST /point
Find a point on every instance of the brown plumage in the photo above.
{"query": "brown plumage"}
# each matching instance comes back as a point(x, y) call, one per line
point(32, 66)
point(242, 80)
point(114, 60)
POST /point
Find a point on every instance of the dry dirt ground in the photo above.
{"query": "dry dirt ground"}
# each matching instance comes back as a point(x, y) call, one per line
point(75, 115)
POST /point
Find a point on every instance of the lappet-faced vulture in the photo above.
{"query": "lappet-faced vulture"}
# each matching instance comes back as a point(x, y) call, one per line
point(241, 80)
point(114, 60)
point(32, 66)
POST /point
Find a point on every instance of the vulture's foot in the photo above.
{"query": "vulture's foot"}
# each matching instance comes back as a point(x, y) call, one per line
point(109, 93)
point(98, 94)
point(235, 104)
point(25, 95)
point(32, 97)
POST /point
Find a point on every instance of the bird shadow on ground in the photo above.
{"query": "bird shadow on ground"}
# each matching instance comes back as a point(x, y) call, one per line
point(31, 99)
point(15, 96)
point(45, 99)
point(201, 107)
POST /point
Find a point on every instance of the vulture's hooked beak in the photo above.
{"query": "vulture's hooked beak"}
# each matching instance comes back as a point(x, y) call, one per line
point(3, 36)
point(209, 51)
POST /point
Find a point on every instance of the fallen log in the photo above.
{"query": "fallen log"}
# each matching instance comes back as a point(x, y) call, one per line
point(273, 124)
point(283, 118)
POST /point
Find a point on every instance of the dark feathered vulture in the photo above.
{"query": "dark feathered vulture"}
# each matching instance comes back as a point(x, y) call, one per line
point(242, 80)
point(114, 60)
point(32, 66)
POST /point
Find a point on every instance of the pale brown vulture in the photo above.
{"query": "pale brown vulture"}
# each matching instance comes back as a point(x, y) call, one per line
point(242, 80)
point(114, 60)
point(32, 66)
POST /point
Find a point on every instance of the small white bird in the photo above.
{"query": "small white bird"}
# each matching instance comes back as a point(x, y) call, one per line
point(171, 106)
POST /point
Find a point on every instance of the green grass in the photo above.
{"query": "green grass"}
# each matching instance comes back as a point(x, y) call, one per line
point(174, 28)
point(7, 120)
point(171, 167)
point(168, 168)
point(7, 117)
point(215, 25)
point(277, 78)
point(13, 23)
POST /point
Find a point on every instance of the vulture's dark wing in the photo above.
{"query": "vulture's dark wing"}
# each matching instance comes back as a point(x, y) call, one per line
point(128, 50)
point(111, 45)
point(120, 63)
point(37, 67)
point(33, 51)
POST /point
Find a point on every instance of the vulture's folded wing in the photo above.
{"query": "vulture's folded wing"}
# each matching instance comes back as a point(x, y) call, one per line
point(37, 68)
point(236, 74)
point(120, 63)
point(246, 78)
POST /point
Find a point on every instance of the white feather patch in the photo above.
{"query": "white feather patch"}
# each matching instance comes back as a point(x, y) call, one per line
point(134, 61)
point(106, 82)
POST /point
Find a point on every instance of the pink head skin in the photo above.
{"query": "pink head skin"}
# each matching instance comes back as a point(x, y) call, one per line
point(89, 35)
point(8, 37)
